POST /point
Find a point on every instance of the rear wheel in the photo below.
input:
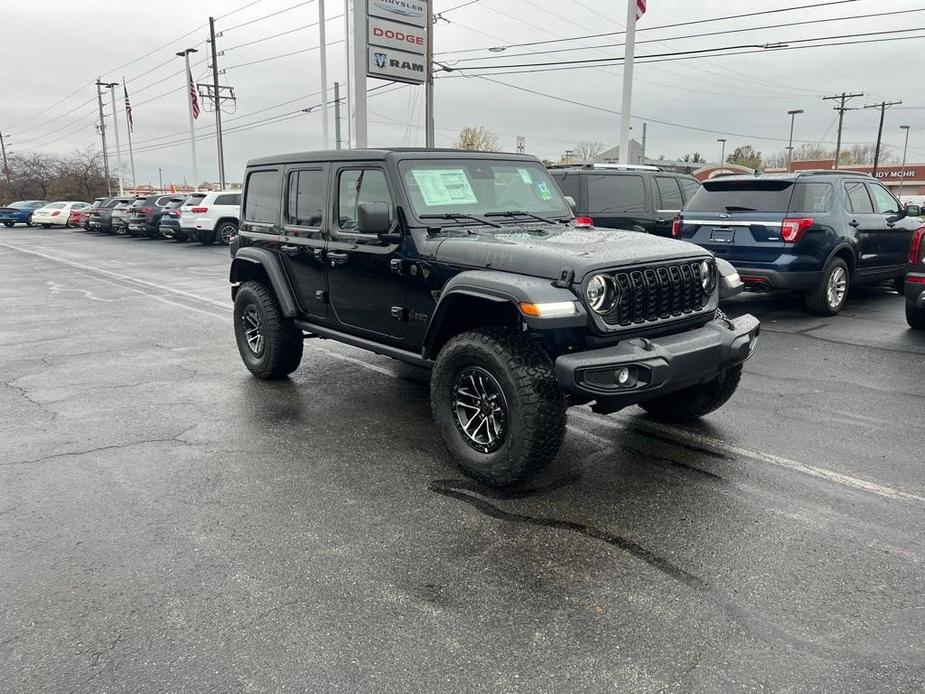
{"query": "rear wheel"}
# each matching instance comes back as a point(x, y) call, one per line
point(497, 404)
point(269, 343)
point(694, 402)
point(225, 231)
point(46, 226)
point(899, 284)
point(829, 297)
point(8, 225)
point(29, 221)
point(915, 316)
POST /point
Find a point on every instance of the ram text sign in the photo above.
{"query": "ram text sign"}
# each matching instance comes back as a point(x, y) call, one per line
point(396, 38)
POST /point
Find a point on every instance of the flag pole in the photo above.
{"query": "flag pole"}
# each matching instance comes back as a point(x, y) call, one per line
point(189, 102)
point(115, 128)
point(626, 109)
point(129, 125)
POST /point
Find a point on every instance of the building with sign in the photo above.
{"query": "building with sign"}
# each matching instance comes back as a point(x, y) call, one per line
point(901, 180)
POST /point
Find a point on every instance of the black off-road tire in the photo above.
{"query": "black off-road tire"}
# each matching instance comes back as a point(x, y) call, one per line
point(535, 418)
point(281, 350)
point(817, 300)
point(915, 317)
point(692, 403)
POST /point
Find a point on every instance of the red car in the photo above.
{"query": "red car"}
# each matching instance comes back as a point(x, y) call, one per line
point(77, 217)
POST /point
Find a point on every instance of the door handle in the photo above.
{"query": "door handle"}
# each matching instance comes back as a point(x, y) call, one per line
point(337, 258)
point(289, 248)
point(854, 223)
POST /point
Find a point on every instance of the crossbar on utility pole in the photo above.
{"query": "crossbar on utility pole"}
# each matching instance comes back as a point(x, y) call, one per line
point(99, 99)
point(218, 107)
point(841, 108)
point(6, 166)
point(883, 105)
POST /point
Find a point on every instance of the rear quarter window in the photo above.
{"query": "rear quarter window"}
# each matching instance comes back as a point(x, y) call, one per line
point(262, 197)
point(813, 197)
point(615, 194)
point(228, 199)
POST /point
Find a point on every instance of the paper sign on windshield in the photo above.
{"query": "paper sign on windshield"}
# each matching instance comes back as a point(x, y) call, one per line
point(444, 187)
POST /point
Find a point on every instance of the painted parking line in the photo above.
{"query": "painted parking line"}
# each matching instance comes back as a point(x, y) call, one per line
point(674, 433)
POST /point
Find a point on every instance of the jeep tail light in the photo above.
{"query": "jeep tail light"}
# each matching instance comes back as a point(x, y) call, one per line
point(584, 222)
point(676, 226)
point(915, 249)
point(792, 228)
point(199, 210)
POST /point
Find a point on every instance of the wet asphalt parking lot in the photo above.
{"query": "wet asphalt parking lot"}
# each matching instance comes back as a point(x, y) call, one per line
point(168, 523)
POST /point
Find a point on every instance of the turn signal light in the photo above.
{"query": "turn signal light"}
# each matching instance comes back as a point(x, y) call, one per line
point(791, 230)
point(915, 250)
point(676, 227)
point(584, 222)
point(199, 210)
point(553, 309)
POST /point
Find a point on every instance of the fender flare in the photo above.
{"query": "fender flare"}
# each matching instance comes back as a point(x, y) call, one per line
point(503, 288)
point(844, 245)
point(273, 268)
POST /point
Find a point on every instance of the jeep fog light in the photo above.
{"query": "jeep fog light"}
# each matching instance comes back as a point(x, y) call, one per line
point(625, 377)
point(553, 309)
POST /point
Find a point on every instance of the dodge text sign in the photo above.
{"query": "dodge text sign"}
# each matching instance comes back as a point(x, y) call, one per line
point(390, 64)
point(403, 37)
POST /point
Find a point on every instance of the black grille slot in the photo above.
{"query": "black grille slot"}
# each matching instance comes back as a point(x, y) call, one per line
point(655, 293)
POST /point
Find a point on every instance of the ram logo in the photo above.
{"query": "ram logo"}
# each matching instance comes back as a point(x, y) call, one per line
point(380, 60)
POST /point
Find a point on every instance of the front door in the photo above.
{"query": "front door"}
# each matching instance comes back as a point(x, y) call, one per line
point(868, 227)
point(302, 245)
point(366, 291)
point(897, 233)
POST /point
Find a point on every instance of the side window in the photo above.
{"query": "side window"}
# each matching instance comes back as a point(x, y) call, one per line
point(568, 184)
point(858, 199)
point(689, 186)
point(262, 202)
point(670, 193)
point(611, 194)
point(884, 202)
point(811, 197)
point(306, 198)
point(357, 186)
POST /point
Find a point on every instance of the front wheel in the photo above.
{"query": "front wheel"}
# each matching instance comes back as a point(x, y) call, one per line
point(829, 297)
point(915, 317)
point(269, 343)
point(225, 231)
point(689, 404)
point(29, 221)
point(497, 404)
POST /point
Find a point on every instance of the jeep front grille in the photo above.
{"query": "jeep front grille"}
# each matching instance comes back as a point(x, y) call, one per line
point(655, 293)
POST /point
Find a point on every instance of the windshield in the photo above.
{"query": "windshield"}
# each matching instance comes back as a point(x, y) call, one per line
point(481, 186)
point(18, 205)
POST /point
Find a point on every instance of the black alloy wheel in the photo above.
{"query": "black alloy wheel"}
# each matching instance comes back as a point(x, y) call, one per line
point(481, 409)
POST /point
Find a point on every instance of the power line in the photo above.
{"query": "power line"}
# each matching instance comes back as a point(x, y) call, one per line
point(282, 33)
point(267, 16)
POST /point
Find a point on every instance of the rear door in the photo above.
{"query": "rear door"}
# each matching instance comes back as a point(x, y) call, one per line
point(868, 226)
point(669, 200)
point(739, 220)
point(303, 241)
point(619, 201)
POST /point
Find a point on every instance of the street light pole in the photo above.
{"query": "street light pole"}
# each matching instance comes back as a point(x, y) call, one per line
point(189, 102)
point(722, 157)
point(793, 114)
point(902, 178)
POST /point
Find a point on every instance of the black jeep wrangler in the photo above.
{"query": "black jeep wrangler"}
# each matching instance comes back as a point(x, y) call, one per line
point(470, 264)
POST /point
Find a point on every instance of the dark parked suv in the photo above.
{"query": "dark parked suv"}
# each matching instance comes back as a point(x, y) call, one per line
point(101, 216)
point(637, 198)
point(470, 264)
point(816, 232)
point(915, 279)
point(146, 217)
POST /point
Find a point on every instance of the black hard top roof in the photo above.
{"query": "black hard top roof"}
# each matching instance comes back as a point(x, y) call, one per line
point(382, 155)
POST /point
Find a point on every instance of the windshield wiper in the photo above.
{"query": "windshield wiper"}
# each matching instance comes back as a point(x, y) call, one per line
point(736, 208)
point(460, 215)
point(521, 213)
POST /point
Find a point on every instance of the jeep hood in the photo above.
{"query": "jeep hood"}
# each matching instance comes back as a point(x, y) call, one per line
point(544, 251)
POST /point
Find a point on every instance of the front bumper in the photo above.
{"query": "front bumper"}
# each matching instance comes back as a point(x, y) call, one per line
point(657, 366)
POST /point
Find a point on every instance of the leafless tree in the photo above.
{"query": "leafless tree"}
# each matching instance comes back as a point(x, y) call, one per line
point(587, 150)
point(477, 139)
point(36, 176)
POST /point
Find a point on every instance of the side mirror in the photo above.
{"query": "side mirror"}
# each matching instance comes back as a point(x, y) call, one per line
point(571, 203)
point(373, 218)
point(913, 210)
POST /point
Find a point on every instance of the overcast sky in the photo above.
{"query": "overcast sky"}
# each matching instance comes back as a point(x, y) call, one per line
point(54, 49)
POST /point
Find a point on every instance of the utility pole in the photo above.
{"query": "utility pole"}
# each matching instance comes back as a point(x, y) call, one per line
point(115, 127)
point(6, 166)
point(189, 102)
point(160, 177)
point(841, 108)
point(347, 58)
point(644, 128)
point(99, 99)
point(337, 141)
point(360, 57)
point(722, 157)
point(429, 85)
point(218, 106)
point(902, 178)
point(323, 56)
point(629, 52)
point(883, 105)
point(793, 114)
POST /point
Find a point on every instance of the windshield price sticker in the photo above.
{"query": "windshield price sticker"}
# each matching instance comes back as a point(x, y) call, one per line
point(525, 176)
point(545, 193)
point(444, 187)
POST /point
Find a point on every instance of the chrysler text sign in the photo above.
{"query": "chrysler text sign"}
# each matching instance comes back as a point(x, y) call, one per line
point(401, 66)
point(403, 37)
point(407, 11)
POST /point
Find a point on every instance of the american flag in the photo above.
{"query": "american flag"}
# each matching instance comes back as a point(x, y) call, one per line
point(194, 96)
point(640, 9)
point(128, 110)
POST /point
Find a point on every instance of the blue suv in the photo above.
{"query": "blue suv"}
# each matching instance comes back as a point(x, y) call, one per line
point(20, 212)
point(816, 232)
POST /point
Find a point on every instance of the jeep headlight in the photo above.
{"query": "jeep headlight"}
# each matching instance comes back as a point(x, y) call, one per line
point(601, 293)
point(707, 276)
